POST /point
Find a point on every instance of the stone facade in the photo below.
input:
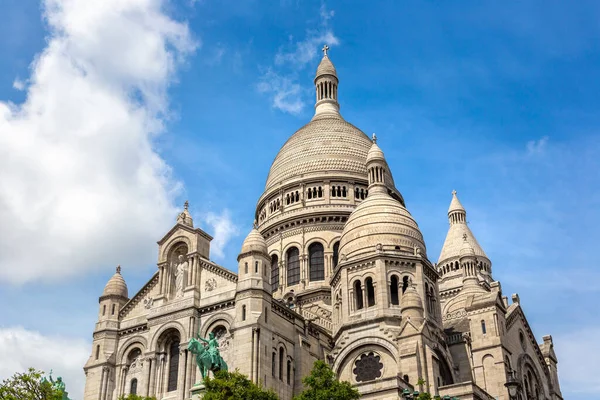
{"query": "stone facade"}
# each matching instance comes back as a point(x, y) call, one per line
point(335, 269)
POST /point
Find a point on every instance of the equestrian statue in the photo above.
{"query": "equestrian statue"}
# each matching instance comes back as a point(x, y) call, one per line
point(207, 354)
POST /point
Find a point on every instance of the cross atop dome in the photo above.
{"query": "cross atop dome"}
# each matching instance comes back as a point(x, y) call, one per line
point(324, 49)
point(374, 138)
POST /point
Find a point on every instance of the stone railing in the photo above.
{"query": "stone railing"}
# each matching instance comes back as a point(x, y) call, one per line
point(322, 322)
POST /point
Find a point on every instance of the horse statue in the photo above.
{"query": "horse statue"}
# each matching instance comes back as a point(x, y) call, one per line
point(207, 358)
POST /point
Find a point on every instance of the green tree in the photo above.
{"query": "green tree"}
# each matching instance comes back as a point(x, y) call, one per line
point(322, 384)
point(136, 397)
point(234, 386)
point(28, 386)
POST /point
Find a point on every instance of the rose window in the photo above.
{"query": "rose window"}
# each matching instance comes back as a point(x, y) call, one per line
point(368, 367)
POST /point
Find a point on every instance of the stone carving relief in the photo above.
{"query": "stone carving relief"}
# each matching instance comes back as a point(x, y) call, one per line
point(210, 285)
point(148, 301)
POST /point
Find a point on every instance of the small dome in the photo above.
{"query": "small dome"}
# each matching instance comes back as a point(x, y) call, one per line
point(380, 220)
point(411, 300)
point(325, 68)
point(254, 242)
point(116, 285)
point(375, 153)
point(466, 250)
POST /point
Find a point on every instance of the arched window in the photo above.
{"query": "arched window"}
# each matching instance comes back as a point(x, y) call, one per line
point(483, 330)
point(281, 363)
point(274, 272)
point(427, 298)
point(256, 267)
point(97, 352)
point(404, 284)
point(358, 295)
point(244, 312)
point(104, 309)
point(336, 253)
point(273, 360)
point(173, 365)
point(289, 371)
point(245, 268)
point(133, 389)
point(394, 298)
point(316, 262)
point(432, 300)
point(370, 292)
point(293, 266)
point(309, 194)
point(113, 309)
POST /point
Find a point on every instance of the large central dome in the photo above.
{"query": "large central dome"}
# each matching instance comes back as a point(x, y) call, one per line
point(326, 145)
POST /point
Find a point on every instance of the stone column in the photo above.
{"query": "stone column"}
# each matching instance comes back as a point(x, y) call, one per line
point(160, 362)
point(181, 373)
point(152, 378)
point(101, 384)
point(160, 279)
point(146, 375)
point(191, 364)
point(118, 379)
point(104, 385)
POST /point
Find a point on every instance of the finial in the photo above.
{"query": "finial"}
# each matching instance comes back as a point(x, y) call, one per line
point(454, 193)
point(465, 237)
point(186, 205)
point(255, 224)
point(374, 139)
point(325, 48)
point(118, 269)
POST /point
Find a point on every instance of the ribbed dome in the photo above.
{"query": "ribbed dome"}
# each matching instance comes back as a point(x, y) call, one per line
point(380, 220)
point(254, 242)
point(375, 153)
point(326, 145)
point(325, 68)
point(116, 285)
point(411, 300)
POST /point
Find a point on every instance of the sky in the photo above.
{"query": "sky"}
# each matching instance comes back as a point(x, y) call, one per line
point(113, 113)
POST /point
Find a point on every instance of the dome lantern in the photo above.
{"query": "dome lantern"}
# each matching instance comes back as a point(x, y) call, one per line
point(326, 86)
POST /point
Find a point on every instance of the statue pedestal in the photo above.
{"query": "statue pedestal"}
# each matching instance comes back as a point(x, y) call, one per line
point(197, 391)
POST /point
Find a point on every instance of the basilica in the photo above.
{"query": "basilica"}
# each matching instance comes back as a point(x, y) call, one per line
point(335, 269)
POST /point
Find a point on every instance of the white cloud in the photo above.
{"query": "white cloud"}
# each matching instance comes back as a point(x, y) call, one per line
point(21, 349)
point(223, 230)
point(287, 94)
point(80, 182)
point(537, 146)
point(579, 374)
point(18, 84)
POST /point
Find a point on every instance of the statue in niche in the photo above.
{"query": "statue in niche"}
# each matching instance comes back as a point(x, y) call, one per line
point(180, 271)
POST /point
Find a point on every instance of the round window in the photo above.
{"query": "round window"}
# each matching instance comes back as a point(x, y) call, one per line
point(368, 367)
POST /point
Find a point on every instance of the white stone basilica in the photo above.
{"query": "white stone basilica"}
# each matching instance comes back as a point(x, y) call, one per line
point(335, 269)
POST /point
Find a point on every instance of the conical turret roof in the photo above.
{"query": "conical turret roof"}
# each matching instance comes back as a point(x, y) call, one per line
point(459, 234)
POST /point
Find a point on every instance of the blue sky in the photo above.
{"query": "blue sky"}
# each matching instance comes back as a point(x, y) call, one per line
point(112, 115)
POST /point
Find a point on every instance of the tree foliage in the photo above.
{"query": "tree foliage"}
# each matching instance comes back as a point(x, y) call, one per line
point(234, 386)
point(136, 397)
point(322, 384)
point(28, 386)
